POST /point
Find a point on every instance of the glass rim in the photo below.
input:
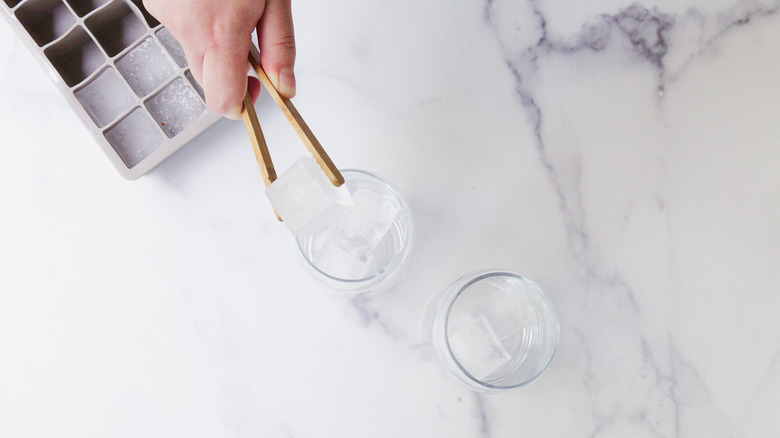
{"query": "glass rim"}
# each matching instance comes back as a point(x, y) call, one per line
point(474, 278)
point(396, 258)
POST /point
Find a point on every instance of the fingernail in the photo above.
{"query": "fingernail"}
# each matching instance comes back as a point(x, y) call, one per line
point(234, 113)
point(287, 82)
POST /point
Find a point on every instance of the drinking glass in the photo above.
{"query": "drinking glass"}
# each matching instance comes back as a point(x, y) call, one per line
point(388, 259)
point(492, 330)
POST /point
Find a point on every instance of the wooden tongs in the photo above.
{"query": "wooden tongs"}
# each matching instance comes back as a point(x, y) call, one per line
point(258, 140)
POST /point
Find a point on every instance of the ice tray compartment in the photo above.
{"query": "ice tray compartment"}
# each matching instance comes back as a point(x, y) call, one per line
point(195, 85)
point(124, 74)
point(172, 47)
point(84, 7)
point(135, 137)
point(75, 57)
point(176, 107)
point(105, 97)
point(150, 20)
point(45, 20)
point(116, 27)
point(146, 66)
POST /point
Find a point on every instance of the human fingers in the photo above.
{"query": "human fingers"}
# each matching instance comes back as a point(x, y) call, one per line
point(190, 30)
point(277, 45)
point(224, 75)
point(253, 87)
point(195, 62)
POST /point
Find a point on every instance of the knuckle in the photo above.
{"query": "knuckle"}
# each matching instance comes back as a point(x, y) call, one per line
point(285, 43)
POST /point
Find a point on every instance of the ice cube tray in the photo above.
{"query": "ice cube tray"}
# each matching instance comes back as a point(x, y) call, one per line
point(121, 71)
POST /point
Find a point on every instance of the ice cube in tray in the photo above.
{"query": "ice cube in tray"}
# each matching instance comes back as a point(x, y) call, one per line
point(120, 69)
point(135, 137)
point(195, 85)
point(105, 97)
point(176, 107)
point(172, 46)
point(146, 67)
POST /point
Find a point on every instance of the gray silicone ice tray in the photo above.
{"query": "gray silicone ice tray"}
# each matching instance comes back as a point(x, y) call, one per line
point(121, 71)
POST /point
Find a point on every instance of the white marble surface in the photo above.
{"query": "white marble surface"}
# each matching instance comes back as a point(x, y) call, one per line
point(626, 157)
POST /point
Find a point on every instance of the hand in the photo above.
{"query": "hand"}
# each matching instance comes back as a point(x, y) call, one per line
point(216, 35)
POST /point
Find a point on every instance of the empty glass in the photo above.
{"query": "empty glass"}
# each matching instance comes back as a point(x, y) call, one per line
point(492, 330)
point(367, 250)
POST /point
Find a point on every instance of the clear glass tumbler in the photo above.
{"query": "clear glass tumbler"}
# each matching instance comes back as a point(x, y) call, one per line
point(386, 262)
point(492, 330)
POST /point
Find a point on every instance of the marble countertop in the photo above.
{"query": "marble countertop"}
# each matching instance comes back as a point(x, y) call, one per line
point(625, 156)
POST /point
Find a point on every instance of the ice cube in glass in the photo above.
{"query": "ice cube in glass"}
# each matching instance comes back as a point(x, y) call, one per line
point(506, 312)
point(492, 330)
point(360, 229)
point(335, 262)
point(342, 271)
point(475, 345)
